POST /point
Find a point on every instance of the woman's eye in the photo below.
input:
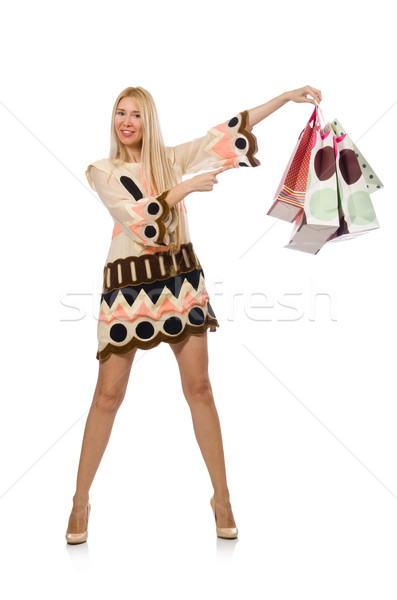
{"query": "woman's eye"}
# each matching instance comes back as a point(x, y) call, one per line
point(122, 113)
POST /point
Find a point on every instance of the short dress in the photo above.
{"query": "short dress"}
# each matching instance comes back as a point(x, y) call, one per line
point(152, 293)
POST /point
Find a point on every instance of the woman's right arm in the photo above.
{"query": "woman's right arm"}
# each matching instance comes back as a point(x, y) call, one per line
point(149, 220)
point(199, 183)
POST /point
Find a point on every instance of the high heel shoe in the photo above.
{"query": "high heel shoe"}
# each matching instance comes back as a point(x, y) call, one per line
point(229, 533)
point(79, 538)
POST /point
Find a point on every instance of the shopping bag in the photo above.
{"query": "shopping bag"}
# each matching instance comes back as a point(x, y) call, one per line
point(320, 216)
point(371, 179)
point(356, 180)
point(290, 195)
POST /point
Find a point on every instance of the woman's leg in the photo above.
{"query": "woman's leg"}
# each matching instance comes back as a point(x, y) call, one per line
point(109, 393)
point(192, 357)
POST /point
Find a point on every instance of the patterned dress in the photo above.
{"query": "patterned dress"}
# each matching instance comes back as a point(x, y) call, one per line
point(150, 293)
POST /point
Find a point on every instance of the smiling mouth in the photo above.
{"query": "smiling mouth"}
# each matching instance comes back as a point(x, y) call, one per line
point(126, 132)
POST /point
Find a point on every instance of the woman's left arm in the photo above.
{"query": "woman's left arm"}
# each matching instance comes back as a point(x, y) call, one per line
point(257, 114)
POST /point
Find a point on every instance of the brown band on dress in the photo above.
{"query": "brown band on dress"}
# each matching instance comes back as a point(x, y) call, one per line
point(160, 220)
point(135, 270)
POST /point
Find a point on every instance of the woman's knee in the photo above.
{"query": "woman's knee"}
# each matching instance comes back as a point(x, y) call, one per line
point(199, 390)
point(112, 381)
point(108, 400)
point(109, 393)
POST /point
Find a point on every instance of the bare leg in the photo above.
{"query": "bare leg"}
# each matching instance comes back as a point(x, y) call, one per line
point(109, 393)
point(192, 357)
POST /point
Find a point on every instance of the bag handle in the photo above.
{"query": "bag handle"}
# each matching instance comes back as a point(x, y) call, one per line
point(315, 118)
point(321, 112)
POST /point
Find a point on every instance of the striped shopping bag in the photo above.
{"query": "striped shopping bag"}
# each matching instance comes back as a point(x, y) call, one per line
point(320, 216)
point(290, 195)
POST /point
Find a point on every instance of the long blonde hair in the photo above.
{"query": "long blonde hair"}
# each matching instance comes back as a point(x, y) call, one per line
point(158, 173)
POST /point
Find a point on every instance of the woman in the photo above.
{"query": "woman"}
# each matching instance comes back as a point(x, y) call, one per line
point(153, 287)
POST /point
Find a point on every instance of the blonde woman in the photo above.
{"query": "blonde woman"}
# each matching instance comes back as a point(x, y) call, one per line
point(153, 283)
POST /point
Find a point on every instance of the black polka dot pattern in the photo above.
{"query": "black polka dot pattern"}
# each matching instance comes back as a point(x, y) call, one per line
point(145, 330)
point(241, 143)
point(118, 332)
point(147, 333)
point(173, 325)
point(153, 208)
point(150, 231)
point(152, 216)
point(196, 316)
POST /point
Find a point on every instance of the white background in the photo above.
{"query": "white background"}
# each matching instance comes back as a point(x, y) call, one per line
point(305, 395)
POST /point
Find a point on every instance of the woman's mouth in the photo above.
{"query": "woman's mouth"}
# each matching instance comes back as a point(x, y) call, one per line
point(127, 133)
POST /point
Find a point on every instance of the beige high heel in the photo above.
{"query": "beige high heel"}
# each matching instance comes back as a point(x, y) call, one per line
point(79, 538)
point(229, 533)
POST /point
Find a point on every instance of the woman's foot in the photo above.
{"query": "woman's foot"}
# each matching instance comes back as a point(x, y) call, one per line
point(78, 518)
point(224, 513)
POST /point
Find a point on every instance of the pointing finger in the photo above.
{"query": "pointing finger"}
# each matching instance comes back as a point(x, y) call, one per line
point(224, 169)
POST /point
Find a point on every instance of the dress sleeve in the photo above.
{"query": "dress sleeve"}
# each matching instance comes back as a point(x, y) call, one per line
point(148, 221)
point(229, 143)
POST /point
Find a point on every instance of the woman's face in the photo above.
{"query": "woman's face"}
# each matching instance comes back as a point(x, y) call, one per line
point(128, 124)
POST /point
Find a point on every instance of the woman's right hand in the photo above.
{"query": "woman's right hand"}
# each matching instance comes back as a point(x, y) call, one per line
point(205, 181)
point(198, 183)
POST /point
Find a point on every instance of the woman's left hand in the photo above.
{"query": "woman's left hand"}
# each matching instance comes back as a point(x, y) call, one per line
point(300, 95)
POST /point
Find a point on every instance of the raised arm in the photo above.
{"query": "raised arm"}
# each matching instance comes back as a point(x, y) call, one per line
point(257, 114)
